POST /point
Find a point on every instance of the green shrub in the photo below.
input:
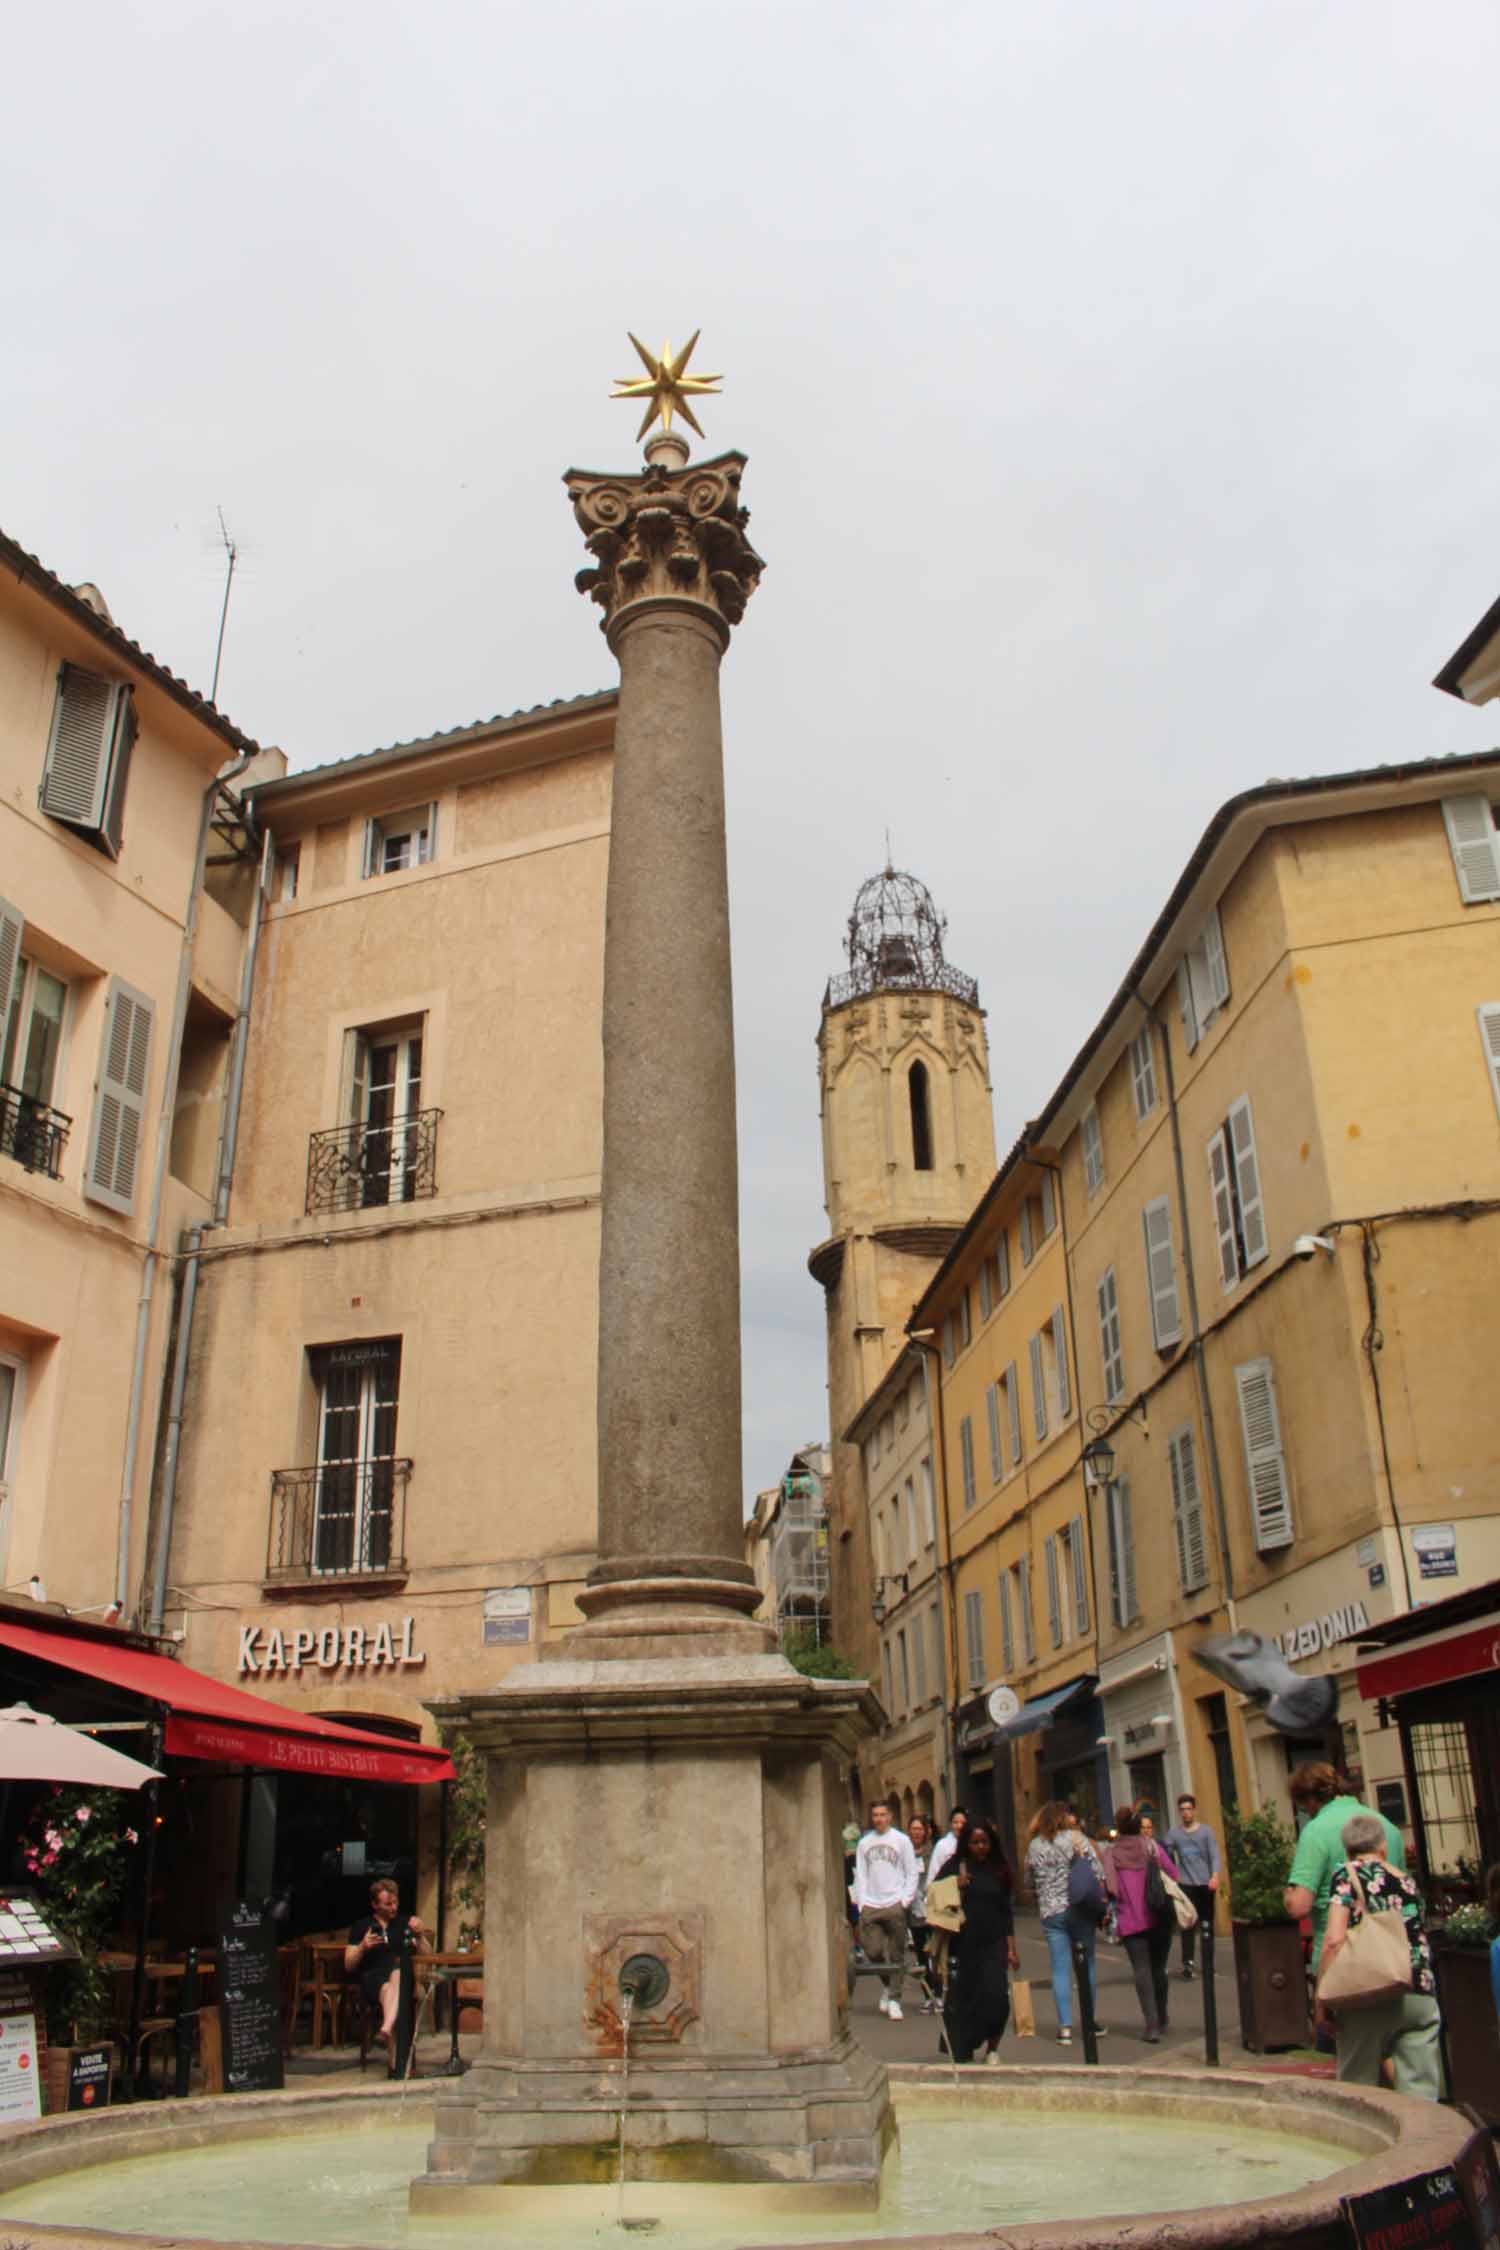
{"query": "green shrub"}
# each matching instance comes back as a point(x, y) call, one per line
point(1259, 1849)
point(816, 1659)
point(1467, 1925)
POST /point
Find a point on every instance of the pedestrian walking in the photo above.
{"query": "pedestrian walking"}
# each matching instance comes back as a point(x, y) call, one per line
point(919, 1835)
point(946, 1846)
point(984, 1949)
point(1325, 1800)
point(885, 1883)
point(1145, 1927)
point(1053, 1844)
point(1195, 1848)
point(1402, 2025)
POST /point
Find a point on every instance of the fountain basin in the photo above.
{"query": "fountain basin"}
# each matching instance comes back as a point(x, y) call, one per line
point(1057, 2157)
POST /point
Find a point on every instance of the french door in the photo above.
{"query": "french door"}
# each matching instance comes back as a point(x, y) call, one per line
point(356, 1478)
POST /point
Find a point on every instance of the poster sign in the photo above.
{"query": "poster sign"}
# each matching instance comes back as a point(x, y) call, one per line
point(1424, 2213)
point(20, 2079)
point(250, 2003)
point(1437, 1550)
point(88, 2078)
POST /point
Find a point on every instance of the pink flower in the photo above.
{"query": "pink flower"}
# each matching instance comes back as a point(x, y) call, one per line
point(81, 1815)
point(131, 1836)
point(48, 1858)
point(55, 1841)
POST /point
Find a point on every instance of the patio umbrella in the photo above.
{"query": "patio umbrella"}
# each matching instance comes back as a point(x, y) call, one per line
point(36, 1748)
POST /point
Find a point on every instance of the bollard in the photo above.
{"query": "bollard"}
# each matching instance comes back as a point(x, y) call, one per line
point(405, 2010)
point(1210, 1995)
point(1084, 1985)
point(187, 2023)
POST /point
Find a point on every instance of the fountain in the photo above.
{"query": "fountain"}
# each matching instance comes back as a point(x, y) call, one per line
point(666, 2045)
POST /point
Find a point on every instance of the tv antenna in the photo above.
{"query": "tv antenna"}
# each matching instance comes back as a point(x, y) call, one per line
point(232, 551)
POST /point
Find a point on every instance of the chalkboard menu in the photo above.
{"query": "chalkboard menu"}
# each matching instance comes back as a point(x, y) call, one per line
point(1427, 2212)
point(250, 2002)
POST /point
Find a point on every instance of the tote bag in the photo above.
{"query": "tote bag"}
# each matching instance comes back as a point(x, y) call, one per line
point(1374, 1960)
point(1182, 1906)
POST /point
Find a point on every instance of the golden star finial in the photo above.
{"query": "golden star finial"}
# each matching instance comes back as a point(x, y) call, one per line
point(666, 385)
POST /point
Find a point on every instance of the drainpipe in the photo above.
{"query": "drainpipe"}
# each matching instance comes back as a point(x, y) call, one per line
point(929, 1350)
point(159, 1179)
point(193, 1243)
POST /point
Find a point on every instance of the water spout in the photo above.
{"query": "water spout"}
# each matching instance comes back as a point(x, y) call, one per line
point(643, 1978)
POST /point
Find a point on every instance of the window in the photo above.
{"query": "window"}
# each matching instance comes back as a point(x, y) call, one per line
point(950, 1339)
point(1202, 980)
point(888, 1433)
point(1093, 1151)
point(1078, 1561)
point(929, 1512)
point(885, 1657)
point(903, 1408)
point(974, 1638)
point(1023, 1607)
point(992, 1411)
point(903, 1669)
point(965, 1321)
point(386, 1150)
point(1187, 1510)
point(1012, 1382)
point(355, 1487)
point(1489, 1039)
point(1054, 1591)
point(1038, 1390)
point(921, 1119)
point(1143, 1074)
point(1110, 1352)
point(1061, 1381)
point(919, 1661)
point(909, 1496)
point(288, 868)
point(1122, 1596)
point(88, 757)
point(118, 1130)
point(1051, 1387)
point(935, 1623)
point(1161, 1274)
point(984, 1290)
point(966, 1455)
point(33, 1003)
point(1048, 1202)
point(1265, 1463)
point(1007, 1636)
point(1002, 1264)
point(10, 1428)
point(400, 839)
point(1234, 1175)
point(1475, 845)
point(1024, 1228)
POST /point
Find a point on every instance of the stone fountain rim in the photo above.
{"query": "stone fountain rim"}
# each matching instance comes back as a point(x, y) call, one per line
point(1413, 2136)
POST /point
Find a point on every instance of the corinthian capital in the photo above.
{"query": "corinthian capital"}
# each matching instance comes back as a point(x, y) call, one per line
point(673, 534)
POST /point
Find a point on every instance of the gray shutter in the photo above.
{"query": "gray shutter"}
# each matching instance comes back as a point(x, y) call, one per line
point(1109, 1336)
point(1474, 845)
point(1023, 1588)
point(1161, 1274)
point(1247, 1180)
point(1265, 1463)
point(992, 1409)
point(1060, 1351)
point(76, 775)
point(1093, 1151)
point(974, 1635)
point(119, 1128)
point(1054, 1591)
point(1038, 1390)
point(1116, 1559)
point(1049, 1203)
point(1187, 1510)
point(1025, 1231)
point(1002, 1263)
point(1013, 1408)
point(1007, 1637)
point(1143, 1073)
point(1187, 1004)
point(984, 1289)
point(1489, 1039)
point(12, 930)
point(1080, 1574)
point(966, 1449)
point(1223, 1202)
point(112, 826)
point(1127, 1550)
point(1212, 942)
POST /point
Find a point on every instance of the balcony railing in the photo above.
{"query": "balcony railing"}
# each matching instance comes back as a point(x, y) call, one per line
point(338, 1519)
point(855, 984)
point(31, 1132)
point(354, 1167)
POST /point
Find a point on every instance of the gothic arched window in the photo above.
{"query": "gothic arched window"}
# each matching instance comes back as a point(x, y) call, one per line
point(921, 1121)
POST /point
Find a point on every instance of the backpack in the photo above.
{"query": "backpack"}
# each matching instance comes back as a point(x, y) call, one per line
point(1374, 1960)
point(1087, 1898)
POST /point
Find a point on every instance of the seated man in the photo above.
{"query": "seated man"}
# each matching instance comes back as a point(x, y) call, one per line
point(373, 1955)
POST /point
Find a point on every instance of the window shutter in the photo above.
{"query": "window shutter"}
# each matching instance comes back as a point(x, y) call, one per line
point(1060, 1351)
point(965, 1321)
point(1007, 1638)
point(1038, 1391)
point(1049, 1203)
point(112, 826)
point(1188, 1005)
point(950, 1340)
point(1247, 1179)
point(1127, 1550)
point(1161, 1274)
point(1265, 1463)
point(974, 1635)
point(1218, 1173)
point(12, 930)
point(1143, 1073)
point(118, 1134)
point(1475, 847)
point(1002, 1263)
point(370, 860)
point(1109, 1336)
point(1489, 1037)
point(1215, 960)
point(1023, 1586)
point(984, 1290)
point(1116, 1559)
point(1025, 1232)
point(919, 1660)
point(992, 1409)
point(890, 1699)
point(1054, 1592)
point(1013, 1408)
point(966, 1449)
point(1093, 1151)
point(1080, 1574)
point(76, 775)
point(1187, 1510)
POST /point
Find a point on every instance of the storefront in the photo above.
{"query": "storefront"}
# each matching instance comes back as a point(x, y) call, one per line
point(1141, 1706)
point(1049, 1748)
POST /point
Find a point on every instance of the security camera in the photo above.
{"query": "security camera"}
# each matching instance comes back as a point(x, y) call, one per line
point(1308, 1245)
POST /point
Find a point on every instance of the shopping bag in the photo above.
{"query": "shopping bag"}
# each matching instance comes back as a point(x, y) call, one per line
point(1022, 2013)
point(1374, 1960)
point(1182, 1905)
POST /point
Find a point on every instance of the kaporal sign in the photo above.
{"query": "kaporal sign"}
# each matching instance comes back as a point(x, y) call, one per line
point(350, 1648)
point(1318, 1633)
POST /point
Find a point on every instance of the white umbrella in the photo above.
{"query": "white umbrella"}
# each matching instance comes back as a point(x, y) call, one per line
point(36, 1748)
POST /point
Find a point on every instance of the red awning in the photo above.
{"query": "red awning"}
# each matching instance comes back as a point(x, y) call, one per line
point(208, 1719)
point(1432, 1663)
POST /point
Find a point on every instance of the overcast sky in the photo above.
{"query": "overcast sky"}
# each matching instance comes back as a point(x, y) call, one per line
point(1119, 385)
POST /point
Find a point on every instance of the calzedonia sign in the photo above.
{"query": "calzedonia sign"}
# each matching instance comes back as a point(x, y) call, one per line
point(335, 1648)
point(1317, 1633)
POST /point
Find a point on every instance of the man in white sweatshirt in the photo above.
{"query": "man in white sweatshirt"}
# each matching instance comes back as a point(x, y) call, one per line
point(885, 1883)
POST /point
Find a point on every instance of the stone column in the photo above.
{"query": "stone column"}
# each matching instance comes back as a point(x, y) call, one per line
point(673, 571)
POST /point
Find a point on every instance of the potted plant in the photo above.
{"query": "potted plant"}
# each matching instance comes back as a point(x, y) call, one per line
point(1269, 1969)
point(1461, 1957)
point(77, 1850)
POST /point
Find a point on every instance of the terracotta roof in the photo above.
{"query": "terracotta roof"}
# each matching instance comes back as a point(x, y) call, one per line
point(450, 738)
point(27, 571)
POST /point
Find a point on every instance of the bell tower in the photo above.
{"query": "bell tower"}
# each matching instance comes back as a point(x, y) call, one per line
point(908, 1148)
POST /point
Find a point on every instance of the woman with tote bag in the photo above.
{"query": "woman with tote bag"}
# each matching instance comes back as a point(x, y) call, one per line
point(1375, 1978)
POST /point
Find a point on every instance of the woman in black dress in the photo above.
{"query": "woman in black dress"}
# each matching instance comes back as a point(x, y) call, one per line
point(372, 1957)
point(984, 1950)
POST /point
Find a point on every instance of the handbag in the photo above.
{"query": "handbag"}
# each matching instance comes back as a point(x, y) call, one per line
point(1157, 1905)
point(1086, 1894)
point(1182, 1906)
point(1374, 1960)
point(944, 1906)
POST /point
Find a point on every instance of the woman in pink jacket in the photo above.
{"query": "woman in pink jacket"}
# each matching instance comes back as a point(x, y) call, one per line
point(1147, 1937)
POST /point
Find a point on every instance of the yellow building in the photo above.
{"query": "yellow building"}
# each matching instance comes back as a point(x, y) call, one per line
point(1278, 1208)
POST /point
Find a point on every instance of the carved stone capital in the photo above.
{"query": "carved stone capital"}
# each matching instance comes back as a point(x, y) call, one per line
point(674, 535)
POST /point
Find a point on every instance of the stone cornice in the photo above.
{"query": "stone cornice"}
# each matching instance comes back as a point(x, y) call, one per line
point(674, 534)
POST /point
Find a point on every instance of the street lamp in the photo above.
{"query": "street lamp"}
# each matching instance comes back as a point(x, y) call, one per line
point(879, 1606)
point(1099, 1462)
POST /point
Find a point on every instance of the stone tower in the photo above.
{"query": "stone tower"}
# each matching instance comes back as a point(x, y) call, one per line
point(908, 1148)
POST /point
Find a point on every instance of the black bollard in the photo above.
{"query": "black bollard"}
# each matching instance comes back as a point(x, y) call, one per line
point(405, 2009)
point(187, 2024)
point(1210, 1995)
point(1084, 1985)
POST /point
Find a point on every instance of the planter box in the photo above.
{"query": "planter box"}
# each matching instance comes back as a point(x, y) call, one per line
point(1463, 1977)
point(1272, 1982)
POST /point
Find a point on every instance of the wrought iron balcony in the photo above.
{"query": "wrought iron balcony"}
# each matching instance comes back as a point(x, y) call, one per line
point(31, 1132)
point(354, 1167)
point(338, 1519)
point(855, 984)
